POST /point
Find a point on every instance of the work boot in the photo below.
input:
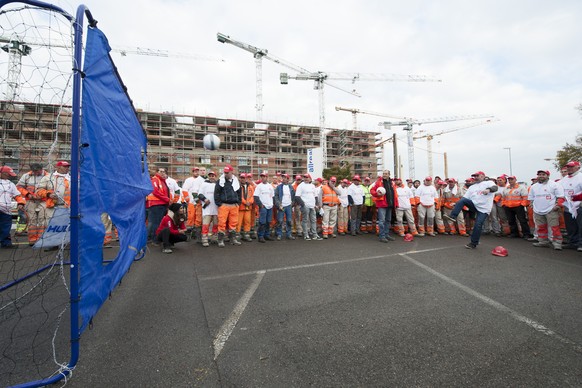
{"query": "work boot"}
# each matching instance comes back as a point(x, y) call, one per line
point(233, 239)
point(221, 239)
point(247, 237)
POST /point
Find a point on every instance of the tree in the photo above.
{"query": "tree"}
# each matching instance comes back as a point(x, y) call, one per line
point(339, 172)
point(569, 152)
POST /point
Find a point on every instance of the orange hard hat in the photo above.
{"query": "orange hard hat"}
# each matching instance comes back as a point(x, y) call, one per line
point(499, 251)
point(408, 237)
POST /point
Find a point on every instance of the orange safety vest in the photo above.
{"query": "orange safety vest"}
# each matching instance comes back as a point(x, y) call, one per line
point(513, 199)
point(329, 196)
point(248, 199)
point(29, 189)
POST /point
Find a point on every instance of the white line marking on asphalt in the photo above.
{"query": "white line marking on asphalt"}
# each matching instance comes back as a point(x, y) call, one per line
point(302, 266)
point(500, 307)
point(229, 325)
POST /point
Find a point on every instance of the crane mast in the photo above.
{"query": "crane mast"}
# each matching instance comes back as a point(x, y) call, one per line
point(408, 123)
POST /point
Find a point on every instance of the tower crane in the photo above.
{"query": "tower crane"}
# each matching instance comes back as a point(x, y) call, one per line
point(258, 54)
point(429, 137)
point(320, 78)
point(408, 123)
point(17, 48)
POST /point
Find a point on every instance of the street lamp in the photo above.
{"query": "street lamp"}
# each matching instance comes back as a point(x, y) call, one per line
point(510, 167)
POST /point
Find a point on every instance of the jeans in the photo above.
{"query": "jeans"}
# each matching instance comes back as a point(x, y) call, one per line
point(384, 218)
point(155, 215)
point(5, 226)
point(287, 214)
point(265, 216)
point(573, 228)
point(481, 217)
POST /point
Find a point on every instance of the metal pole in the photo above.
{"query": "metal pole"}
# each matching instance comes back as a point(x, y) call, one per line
point(510, 164)
point(446, 165)
point(395, 171)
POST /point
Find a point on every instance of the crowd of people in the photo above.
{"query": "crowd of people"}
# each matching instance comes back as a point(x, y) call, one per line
point(215, 208)
point(38, 194)
point(231, 208)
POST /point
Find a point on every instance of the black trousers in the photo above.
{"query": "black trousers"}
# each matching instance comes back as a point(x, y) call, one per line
point(515, 215)
point(167, 238)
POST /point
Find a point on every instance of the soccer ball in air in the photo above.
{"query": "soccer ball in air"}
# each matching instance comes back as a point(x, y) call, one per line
point(381, 191)
point(211, 142)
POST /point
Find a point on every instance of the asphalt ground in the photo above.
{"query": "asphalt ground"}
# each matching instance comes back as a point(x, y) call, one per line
point(341, 312)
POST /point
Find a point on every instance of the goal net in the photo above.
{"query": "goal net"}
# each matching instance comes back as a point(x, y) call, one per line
point(80, 182)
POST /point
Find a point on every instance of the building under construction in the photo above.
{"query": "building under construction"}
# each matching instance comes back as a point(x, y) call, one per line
point(42, 133)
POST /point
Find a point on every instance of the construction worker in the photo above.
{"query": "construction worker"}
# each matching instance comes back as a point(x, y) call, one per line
point(306, 196)
point(275, 181)
point(497, 220)
point(427, 196)
point(479, 199)
point(55, 191)
point(368, 208)
point(190, 191)
point(228, 198)
point(547, 198)
point(438, 207)
point(284, 200)
point(404, 209)
point(385, 204)
point(157, 202)
point(356, 199)
point(263, 195)
point(28, 186)
point(7, 194)
point(343, 209)
point(175, 190)
point(297, 224)
point(572, 185)
point(209, 208)
point(245, 209)
point(330, 202)
point(451, 195)
point(514, 201)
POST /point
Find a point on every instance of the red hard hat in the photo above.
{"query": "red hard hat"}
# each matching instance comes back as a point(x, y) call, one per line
point(356, 178)
point(499, 251)
point(408, 237)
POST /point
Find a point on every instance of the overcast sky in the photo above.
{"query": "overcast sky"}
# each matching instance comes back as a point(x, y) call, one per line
point(517, 60)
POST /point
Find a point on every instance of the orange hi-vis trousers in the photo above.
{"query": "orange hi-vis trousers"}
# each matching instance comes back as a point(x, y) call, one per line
point(227, 217)
point(194, 215)
point(244, 220)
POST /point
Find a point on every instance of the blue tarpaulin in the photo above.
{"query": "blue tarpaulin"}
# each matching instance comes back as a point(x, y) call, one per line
point(114, 176)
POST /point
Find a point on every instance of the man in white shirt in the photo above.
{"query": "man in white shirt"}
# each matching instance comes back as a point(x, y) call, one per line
point(342, 212)
point(192, 186)
point(264, 193)
point(356, 199)
point(572, 184)
point(404, 208)
point(427, 195)
point(547, 198)
point(479, 199)
point(208, 208)
point(306, 196)
point(8, 191)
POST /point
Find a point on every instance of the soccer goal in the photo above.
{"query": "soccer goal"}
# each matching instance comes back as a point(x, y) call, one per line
point(73, 149)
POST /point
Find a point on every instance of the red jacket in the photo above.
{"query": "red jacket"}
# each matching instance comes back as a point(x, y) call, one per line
point(168, 222)
point(161, 193)
point(381, 200)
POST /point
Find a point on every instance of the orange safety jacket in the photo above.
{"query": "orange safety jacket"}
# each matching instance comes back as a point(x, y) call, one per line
point(329, 196)
point(29, 189)
point(514, 197)
point(247, 196)
point(450, 199)
point(161, 193)
point(50, 203)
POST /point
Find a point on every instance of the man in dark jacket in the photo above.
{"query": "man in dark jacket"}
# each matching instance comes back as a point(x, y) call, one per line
point(385, 204)
point(284, 200)
point(227, 196)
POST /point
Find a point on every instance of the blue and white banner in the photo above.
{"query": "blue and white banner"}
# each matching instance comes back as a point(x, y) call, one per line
point(57, 232)
point(315, 162)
